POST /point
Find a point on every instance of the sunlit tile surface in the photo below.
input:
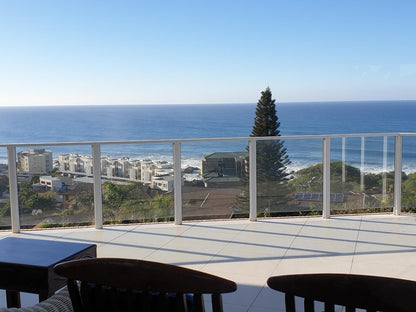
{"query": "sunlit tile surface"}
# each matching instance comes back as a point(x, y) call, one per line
point(249, 252)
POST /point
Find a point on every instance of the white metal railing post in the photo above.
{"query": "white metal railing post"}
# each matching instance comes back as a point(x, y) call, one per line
point(326, 204)
point(98, 199)
point(384, 174)
point(177, 182)
point(252, 165)
point(398, 157)
point(13, 192)
point(362, 170)
point(343, 175)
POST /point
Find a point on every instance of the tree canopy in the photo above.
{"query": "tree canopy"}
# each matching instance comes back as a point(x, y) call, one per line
point(266, 122)
point(271, 158)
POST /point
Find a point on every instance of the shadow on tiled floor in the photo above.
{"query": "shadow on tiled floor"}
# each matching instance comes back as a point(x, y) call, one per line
point(249, 252)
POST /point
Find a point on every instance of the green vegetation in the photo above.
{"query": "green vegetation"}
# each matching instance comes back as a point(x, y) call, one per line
point(29, 200)
point(4, 184)
point(409, 193)
point(311, 179)
point(135, 202)
point(272, 159)
point(374, 195)
point(130, 202)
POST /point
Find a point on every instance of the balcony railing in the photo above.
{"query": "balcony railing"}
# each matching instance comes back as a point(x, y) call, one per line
point(332, 148)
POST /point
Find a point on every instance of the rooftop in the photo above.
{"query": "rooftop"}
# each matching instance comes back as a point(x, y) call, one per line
point(250, 252)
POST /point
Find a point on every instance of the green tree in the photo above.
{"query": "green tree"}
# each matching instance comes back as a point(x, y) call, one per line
point(272, 159)
point(4, 183)
point(113, 196)
point(5, 211)
point(409, 192)
point(25, 195)
point(44, 201)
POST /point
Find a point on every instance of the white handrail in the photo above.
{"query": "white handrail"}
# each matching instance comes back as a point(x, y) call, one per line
point(288, 137)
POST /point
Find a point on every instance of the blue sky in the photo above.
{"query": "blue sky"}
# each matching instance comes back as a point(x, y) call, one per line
point(162, 52)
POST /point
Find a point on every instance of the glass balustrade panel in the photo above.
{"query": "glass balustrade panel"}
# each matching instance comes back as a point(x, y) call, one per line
point(137, 183)
point(215, 180)
point(362, 174)
point(55, 186)
point(408, 191)
point(5, 222)
point(289, 177)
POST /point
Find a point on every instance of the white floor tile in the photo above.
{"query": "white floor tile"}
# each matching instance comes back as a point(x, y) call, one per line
point(250, 252)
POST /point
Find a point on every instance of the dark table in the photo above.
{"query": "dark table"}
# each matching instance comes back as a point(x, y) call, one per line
point(27, 265)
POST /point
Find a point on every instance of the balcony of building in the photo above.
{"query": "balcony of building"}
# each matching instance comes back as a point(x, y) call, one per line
point(376, 236)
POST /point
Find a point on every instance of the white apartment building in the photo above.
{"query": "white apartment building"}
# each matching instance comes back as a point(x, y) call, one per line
point(135, 173)
point(73, 163)
point(35, 161)
point(155, 174)
point(119, 168)
point(146, 171)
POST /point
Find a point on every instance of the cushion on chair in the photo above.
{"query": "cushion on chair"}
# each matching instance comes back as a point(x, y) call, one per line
point(59, 302)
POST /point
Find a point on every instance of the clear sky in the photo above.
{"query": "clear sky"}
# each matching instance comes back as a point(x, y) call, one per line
point(58, 52)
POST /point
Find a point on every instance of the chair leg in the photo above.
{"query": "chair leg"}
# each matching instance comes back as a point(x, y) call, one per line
point(216, 303)
point(199, 303)
point(309, 305)
point(290, 303)
point(181, 304)
point(13, 299)
point(329, 307)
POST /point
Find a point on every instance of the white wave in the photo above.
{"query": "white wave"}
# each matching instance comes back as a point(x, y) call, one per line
point(192, 177)
point(191, 162)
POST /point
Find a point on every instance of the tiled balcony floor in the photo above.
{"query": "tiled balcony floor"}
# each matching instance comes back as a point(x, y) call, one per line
point(249, 252)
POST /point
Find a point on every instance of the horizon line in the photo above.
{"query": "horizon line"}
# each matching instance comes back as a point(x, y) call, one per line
point(185, 104)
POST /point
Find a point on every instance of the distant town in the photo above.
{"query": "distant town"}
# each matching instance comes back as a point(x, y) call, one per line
point(61, 188)
point(215, 168)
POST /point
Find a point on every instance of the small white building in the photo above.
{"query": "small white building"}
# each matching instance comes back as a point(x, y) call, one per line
point(54, 184)
point(163, 183)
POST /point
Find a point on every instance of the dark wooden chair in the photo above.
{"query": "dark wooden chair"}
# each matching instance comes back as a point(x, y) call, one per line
point(371, 293)
point(110, 284)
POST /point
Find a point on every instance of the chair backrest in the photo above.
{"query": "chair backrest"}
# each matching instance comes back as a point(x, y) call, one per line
point(371, 293)
point(112, 284)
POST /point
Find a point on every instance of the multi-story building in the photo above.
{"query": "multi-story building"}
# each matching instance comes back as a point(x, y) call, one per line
point(135, 172)
point(155, 174)
point(35, 161)
point(146, 171)
point(119, 168)
point(75, 163)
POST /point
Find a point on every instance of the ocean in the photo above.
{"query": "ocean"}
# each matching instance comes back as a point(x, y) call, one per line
point(157, 122)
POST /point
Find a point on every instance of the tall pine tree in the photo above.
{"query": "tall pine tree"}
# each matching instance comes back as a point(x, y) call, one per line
point(272, 160)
